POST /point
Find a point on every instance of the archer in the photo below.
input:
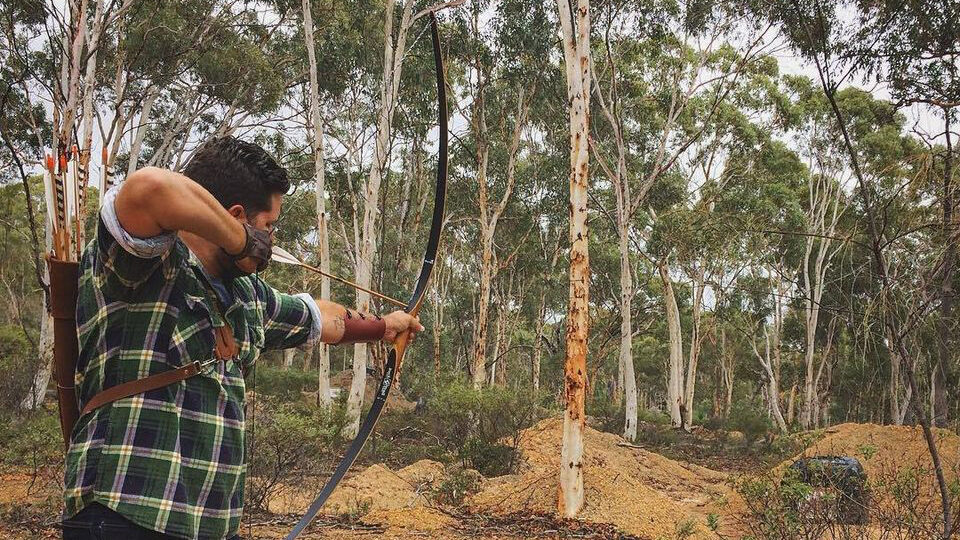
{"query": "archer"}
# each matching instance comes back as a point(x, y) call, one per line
point(170, 315)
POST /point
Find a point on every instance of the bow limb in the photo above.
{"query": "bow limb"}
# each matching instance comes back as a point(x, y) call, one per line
point(395, 358)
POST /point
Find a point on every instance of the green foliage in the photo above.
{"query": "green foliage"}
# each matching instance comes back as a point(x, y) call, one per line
point(479, 429)
point(283, 384)
point(685, 529)
point(18, 364)
point(713, 522)
point(456, 486)
point(897, 502)
point(867, 451)
point(773, 506)
point(749, 417)
point(32, 443)
point(483, 426)
point(606, 414)
point(293, 441)
point(355, 509)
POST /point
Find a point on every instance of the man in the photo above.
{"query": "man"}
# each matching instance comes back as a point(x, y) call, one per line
point(169, 281)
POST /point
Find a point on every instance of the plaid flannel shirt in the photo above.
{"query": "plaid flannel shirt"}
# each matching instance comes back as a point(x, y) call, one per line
point(172, 459)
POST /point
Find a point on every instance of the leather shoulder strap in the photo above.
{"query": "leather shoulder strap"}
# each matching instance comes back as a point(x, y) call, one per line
point(140, 386)
point(225, 348)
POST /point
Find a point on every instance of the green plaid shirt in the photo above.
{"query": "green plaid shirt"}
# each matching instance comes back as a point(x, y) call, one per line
point(172, 459)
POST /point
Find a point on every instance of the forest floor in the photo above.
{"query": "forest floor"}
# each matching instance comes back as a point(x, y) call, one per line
point(631, 491)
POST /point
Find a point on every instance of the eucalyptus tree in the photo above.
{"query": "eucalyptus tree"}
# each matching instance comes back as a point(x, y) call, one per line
point(504, 77)
point(24, 127)
point(806, 120)
point(666, 71)
point(332, 42)
point(236, 85)
point(350, 133)
point(820, 34)
point(913, 48)
point(575, 31)
point(35, 38)
point(763, 198)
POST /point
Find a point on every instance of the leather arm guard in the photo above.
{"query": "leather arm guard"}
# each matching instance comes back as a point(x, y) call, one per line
point(362, 328)
point(259, 245)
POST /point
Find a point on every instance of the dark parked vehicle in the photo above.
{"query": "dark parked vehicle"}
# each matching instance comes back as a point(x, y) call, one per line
point(839, 488)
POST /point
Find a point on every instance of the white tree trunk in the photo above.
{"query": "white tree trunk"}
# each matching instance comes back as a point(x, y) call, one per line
point(392, 64)
point(479, 356)
point(41, 379)
point(538, 343)
point(141, 132)
point(626, 337)
point(86, 117)
point(822, 218)
point(727, 370)
point(489, 220)
point(576, 49)
point(439, 287)
point(675, 372)
point(695, 341)
point(772, 383)
point(323, 235)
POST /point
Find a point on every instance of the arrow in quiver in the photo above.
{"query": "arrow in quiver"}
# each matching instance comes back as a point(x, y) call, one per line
point(63, 178)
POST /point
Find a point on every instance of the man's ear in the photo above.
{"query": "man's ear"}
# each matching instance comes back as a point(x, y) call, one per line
point(237, 211)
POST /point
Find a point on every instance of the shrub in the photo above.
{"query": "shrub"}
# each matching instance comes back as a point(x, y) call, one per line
point(33, 443)
point(292, 441)
point(478, 428)
point(286, 385)
point(608, 415)
point(483, 426)
point(748, 417)
point(455, 487)
point(405, 437)
point(18, 363)
point(653, 417)
point(902, 502)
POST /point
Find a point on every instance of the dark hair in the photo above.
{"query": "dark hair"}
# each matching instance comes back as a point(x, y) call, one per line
point(238, 172)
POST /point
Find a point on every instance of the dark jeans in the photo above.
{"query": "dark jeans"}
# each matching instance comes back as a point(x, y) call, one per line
point(97, 522)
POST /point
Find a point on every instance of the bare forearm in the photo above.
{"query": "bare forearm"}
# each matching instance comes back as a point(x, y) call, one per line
point(333, 321)
point(152, 201)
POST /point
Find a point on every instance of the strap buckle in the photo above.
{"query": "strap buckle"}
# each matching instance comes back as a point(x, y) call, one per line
point(205, 367)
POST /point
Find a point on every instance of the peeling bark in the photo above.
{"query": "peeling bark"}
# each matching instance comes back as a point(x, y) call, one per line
point(576, 48)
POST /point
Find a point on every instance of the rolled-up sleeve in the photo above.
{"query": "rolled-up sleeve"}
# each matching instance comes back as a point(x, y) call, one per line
point(126, 261)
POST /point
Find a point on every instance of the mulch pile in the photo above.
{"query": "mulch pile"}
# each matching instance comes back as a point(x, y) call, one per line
point(888, 454)
point(639, 492)
point(881, 448)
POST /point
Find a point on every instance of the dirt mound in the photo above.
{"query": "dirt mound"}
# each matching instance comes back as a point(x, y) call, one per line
point(641, 492)
point(883, 450)
point(376, 488)
point(423, 473)
point(420, 518)
point(396, 500)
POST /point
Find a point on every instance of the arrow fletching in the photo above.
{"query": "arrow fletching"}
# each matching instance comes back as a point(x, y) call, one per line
point(283, 256)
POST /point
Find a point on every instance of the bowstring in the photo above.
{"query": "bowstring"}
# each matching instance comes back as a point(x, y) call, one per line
point(253, 410)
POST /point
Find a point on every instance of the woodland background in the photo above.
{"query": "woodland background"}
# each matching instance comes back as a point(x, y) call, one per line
point(771, 252)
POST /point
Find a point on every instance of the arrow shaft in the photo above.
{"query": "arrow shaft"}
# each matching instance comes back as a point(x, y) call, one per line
point(352, 284)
